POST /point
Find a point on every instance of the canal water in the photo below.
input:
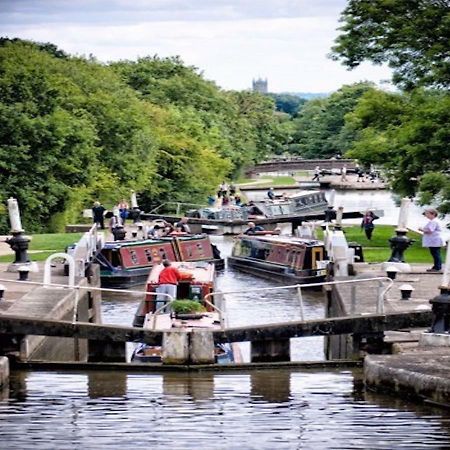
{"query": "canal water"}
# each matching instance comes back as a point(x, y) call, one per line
point(265, 409)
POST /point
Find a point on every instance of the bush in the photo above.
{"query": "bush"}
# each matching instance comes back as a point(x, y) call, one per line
point(187, 306)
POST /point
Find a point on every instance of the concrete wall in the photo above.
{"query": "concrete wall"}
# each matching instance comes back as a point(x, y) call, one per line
point(339, 346)
point(58, 304)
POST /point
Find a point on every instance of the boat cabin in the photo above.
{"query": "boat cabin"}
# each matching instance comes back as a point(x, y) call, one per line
point(197, 282)
point(127, 263)
point(293, 258)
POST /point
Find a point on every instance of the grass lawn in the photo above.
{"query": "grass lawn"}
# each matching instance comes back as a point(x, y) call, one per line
point(378, 249)
point(47, 244)
point(267, 180)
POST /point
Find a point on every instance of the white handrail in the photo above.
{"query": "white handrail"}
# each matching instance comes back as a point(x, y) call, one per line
point(380, 302)
point(48, 269)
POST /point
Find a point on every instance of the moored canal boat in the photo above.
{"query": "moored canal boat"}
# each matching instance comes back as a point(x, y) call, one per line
point(127, 263)
point(198, 281)
point(283, 258)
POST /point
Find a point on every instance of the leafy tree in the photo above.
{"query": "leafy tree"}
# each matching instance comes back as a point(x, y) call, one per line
point(412, 36)
point(288, 103)
point(320, 124)
point(408, 135)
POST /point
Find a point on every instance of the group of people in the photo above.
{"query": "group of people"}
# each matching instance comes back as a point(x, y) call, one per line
point(164, 228)
point(99, 213)
point(227, 195)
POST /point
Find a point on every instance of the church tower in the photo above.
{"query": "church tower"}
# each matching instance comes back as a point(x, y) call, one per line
point(260, 86)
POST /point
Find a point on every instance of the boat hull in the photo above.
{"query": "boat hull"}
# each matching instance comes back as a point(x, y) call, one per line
point(275, 272)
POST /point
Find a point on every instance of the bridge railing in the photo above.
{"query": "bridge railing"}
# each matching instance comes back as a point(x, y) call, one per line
point(178, 207)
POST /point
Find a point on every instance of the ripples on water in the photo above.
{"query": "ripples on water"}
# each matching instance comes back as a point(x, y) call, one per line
point(259, 410)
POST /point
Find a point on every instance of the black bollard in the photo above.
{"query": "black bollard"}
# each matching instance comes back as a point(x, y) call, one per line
point(399, 243)
point(19, 243)
point(440, 307)
point(119, 233)
point(23, 273)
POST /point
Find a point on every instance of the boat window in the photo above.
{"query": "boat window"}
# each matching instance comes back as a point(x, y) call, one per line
point(162, 253)
point(148, 255)
point(133, 255)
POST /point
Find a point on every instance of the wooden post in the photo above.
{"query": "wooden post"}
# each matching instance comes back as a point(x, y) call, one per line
point(270, 351)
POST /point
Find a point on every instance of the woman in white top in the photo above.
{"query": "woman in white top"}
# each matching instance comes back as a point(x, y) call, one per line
point(432, 238)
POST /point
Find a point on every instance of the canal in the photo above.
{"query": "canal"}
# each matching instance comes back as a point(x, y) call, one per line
point(264, 409)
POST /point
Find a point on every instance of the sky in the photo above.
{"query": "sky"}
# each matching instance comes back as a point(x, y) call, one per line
point(230, 41)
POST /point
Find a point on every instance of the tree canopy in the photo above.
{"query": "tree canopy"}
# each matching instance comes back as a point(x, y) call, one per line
point(74, 131)
point(412, 36)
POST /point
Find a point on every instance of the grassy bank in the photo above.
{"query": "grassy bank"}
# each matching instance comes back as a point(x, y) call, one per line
point(378, 249)
point(44, 245)
point(267, 180)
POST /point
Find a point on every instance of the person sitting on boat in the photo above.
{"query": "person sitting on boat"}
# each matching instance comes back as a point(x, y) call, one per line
point(182, 226)
point(237, 200)
point(253, 228)
point(271, 193)
point(168, 282)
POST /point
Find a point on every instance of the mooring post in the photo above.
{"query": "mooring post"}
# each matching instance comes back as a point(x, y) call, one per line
point(19, 242)
point(400, 242)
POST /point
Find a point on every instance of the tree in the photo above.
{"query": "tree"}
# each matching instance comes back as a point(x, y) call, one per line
point(320, 123)
point(412, 36)
point(408, 135)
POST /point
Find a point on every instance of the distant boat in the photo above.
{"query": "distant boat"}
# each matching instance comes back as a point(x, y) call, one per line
point(282, 206)
point(198, 281)
point(127, 263)
point(283, 258)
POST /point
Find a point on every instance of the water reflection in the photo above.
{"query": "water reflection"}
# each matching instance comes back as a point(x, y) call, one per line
point(263, 409)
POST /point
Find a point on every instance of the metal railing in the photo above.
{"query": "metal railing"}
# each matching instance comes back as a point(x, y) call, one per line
point(178, 206)
point(381, 297)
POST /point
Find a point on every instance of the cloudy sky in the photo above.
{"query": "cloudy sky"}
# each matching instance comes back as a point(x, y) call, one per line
point(231, 41)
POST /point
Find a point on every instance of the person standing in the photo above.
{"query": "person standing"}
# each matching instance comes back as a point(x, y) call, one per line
point(316, 176)
point(98, 211)
point(367, 223)
point(168, 282)
point(271, 194)
point(123, 209)
point(432, 238)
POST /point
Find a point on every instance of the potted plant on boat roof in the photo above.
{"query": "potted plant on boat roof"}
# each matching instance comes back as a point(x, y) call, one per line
point(187, 309)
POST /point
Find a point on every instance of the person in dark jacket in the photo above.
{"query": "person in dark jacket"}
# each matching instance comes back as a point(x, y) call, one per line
point(367, 223)
point(98, 211)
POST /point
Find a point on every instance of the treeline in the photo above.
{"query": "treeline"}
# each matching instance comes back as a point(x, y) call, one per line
point(74, 130)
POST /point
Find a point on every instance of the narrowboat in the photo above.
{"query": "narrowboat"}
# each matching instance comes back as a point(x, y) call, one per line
point(124, 264)
point(288, 206)
point(282, 206)
point(284, 258)
point(198, 281)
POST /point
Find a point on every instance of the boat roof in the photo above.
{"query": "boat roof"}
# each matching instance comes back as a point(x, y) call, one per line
point(277, 239)
point(201, 272)
point(131, 243)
